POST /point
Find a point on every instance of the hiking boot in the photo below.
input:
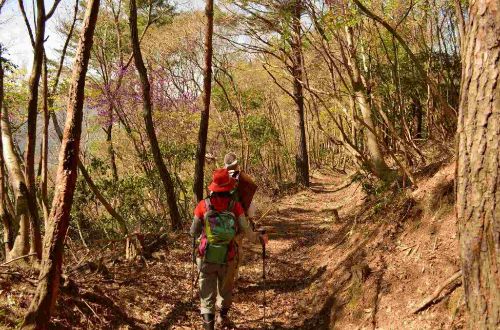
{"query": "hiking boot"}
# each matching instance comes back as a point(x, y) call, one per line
point(223, 319)
point(208, 321)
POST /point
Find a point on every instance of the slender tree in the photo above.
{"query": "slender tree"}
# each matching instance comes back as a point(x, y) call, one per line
point(95, 190)
point(478, 168)
point(43, 302)
point(175, 218)
point(205, 113)
point(301, 155)
point(29, 159)
point(45, 146)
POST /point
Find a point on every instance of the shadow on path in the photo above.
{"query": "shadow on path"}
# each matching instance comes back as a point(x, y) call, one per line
point(178, 313)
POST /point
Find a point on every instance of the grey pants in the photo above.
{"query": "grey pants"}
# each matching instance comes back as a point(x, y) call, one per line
point(213, 278)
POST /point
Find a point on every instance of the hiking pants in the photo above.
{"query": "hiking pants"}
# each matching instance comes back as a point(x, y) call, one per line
point(230, 278)
point(212, 284)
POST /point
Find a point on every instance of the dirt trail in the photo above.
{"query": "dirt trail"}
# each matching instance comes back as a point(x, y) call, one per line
point(296, 225)
point(364, 270)
point(156, 296)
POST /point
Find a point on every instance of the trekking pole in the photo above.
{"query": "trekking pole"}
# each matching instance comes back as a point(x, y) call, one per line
point(264, 279)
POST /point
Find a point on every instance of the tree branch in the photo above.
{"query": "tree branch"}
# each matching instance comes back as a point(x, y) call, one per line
point(26, 22)
point(52, 10)
point(65, 47)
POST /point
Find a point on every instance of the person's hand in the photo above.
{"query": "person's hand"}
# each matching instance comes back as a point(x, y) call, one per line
point(264, 238)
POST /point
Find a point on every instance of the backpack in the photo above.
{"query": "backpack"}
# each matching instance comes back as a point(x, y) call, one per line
point(220, 228)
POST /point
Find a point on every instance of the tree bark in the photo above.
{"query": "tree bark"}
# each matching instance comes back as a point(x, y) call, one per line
point(43, 302)
point(45, 146)
point(198, 186)
point(175, 218)
point(301, 154)
point(8, 238)
point(378, 164)
point(478, 166)
point(20, 191)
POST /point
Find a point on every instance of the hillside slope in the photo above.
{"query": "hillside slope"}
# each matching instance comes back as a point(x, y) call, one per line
point(368, 268)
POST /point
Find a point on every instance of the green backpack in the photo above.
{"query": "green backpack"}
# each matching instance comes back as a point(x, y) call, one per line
point(220, 230)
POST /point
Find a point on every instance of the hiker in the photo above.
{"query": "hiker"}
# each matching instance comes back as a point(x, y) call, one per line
point(217, 220)
point(243, 193)
point(245, 198)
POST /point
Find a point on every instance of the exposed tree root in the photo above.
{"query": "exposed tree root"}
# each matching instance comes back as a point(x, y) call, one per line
point(16, 259)
point(434, 297)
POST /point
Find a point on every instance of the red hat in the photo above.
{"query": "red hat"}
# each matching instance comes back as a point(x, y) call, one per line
point(221, 181)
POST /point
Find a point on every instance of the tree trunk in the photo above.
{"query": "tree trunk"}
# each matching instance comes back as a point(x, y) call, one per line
point(43, 302)
point(175, 218)
point(198, 186)
point(8, 238)
point(45, 146)
point(380, 168)
point(478, 168)
point(29, 161)
point(461, 23)
point(301, 154)
point(20, 191)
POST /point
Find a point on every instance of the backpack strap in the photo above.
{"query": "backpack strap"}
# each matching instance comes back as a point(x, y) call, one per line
point(208, 205)
point(230, 206)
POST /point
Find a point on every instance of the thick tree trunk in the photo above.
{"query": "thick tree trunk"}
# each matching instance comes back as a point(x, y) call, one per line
point(175, 218)
point(478, 168)
point(198, 186)
point(29, 161)
point(17, 181)
point(41, 307)
point(301, 154)
point(378, 165)
point(8, 238)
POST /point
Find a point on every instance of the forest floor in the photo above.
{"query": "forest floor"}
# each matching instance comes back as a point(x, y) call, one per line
point(367, 269)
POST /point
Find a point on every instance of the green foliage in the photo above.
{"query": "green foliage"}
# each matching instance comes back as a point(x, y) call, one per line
point(260, 130)
point(252, 99)
point(160, 12)
point(130, 196)
point(219, 99)
point(178, 154)
point(16, 94)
